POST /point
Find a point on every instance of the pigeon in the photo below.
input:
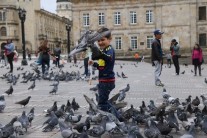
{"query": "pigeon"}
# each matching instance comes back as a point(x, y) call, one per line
point(151, 130)
point(18, 128)
point(60, 112)
point(53, 108)
point(79, 127)
point(54, 90)
point(2, 103)
point(68, 106)
point(125, 89)
point(84, 133)
point(66, 130)
point(98, 131)
point(24, 120)
point(204, 100)
point(75, 105)
point(56, 83)
point(191, 71)
point(9, 91)
point(118, 75)
point(172, 121)
point(51, 123)
point(32, 86)
point(73, 119)
point(183, 72)
point(8, 130)
point(190, 133)
point(205, 80)
point(204, 124)
point(204, 111)
point(24, 102)
point(94, 88)
point(30, 116)
point(123, 75)
point(196, 101)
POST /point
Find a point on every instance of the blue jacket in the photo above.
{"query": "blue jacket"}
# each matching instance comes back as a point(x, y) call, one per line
point(9, 48)
point(105, 65)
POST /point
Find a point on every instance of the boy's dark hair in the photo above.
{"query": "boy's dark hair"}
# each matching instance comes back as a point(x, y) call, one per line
point(104, 29)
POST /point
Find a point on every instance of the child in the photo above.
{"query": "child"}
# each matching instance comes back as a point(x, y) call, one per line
point(169, 57)
point(105, 65)
point(197, 58)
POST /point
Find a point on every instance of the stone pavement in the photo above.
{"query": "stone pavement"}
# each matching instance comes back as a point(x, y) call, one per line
point(140, 78)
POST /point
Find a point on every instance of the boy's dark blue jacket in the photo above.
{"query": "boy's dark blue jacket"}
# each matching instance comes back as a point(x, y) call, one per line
point(105, 65)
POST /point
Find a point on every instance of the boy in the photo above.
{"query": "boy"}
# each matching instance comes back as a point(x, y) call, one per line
point(106, 58)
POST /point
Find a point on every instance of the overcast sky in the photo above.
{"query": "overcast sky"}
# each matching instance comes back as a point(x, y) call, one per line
point(49, 5)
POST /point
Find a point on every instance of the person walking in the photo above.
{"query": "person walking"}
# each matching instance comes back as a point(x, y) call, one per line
point(175, 52)
point(9, 51)
point(45, 55)
point(197, 58)
point(136, 57)
point(106, 59)
point(85, 62)
point(157, 57)
point(57, 52)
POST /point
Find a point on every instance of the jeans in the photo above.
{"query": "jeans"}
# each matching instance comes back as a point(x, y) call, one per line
point(104, 90)
point(86, 66)
point(45, 62)
point(10, 58)
point(158, 69)
point(57, 62)
point(176, 64)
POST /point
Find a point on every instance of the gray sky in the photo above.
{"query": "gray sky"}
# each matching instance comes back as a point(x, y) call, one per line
point(49, 5)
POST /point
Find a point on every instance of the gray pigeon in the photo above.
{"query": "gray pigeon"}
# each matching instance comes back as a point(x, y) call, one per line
point(30, 116)
point(190, 133)
point(18, 128)
point(66, 130)
point(32, 86)
point(8, 130)
point(204, 124)
point(53, 108)
point(24, 121)
point(125, 89)
point(73, 119)
point(122, 96)
point(10, 90)
point(98, 131)
point(51, 123)
point(54, 90)
point(2, 103)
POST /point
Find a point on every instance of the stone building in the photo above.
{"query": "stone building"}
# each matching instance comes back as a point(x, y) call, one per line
point(133, 21)
point(39, 25)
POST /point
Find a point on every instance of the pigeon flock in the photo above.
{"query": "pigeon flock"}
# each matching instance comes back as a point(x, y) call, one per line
point(150, 120)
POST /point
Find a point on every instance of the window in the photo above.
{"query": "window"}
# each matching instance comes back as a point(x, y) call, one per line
point(202, 39)
point(117, 18)
point(86, 19)
point(101, 19)
point(149, 41)
point(134, 44)
point(118, 42)
point(4, 16)
point(133, 17)
point(149, 16)
point(202, 13)
point(3, 31)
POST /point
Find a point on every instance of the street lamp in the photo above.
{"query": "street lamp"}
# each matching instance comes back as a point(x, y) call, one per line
point(5, 13)
point(68, 28)
point(22, 17)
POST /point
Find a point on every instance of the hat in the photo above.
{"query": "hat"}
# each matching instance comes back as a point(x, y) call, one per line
point(158, 32)
point(173, 40)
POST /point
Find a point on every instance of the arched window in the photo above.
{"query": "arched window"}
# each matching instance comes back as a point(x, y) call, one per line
point(3, 31)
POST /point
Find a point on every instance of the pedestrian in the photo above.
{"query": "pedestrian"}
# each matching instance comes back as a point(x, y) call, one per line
point(85, 55)
point(9, 51)
point(75, 59)
point(175, 52)
point(197, 58)
point(106, 58)
point(136, 57)
point(169, 58)
point(45, 55)
point(157, 57)
point(57, 52)
point(142, 60)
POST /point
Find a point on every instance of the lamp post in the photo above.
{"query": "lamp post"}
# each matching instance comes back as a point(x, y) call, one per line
point(22, 17)
point(5, 12)
point(68, 28)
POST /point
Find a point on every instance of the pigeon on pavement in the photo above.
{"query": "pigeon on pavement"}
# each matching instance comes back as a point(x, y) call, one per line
point(2, 103)
point(24, 102)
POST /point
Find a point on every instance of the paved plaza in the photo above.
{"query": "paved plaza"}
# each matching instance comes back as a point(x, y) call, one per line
point(140, 77)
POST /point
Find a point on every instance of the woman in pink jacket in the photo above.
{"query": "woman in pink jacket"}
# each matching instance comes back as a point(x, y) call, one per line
point(197, 58)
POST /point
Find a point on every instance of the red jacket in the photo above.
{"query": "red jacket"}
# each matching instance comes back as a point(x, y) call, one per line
point(197, 54)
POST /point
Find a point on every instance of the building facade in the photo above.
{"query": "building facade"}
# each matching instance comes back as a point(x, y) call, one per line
point(39, 25)
point(133, 21)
